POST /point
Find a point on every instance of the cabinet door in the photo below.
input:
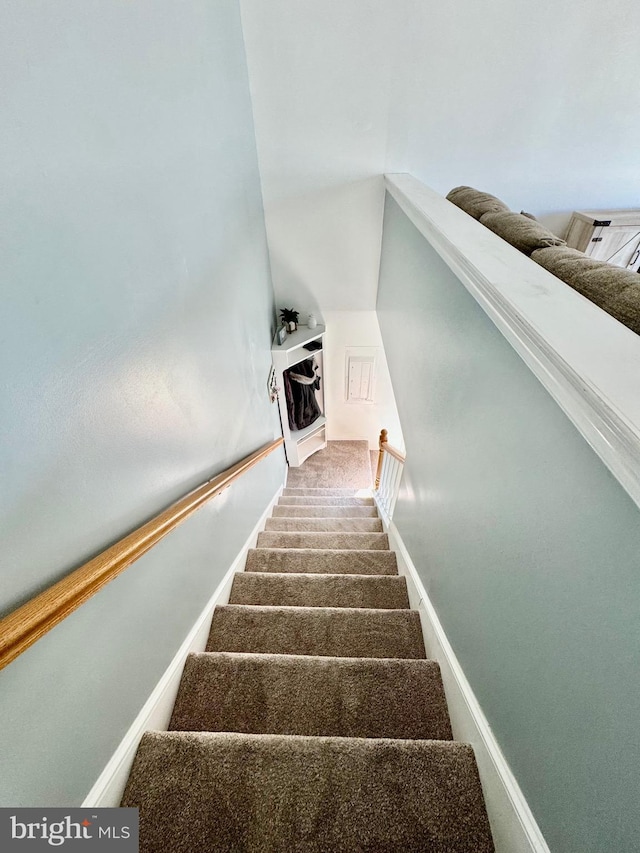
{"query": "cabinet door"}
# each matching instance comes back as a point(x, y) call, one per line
point(579, 234)
point(616, 244)
point(634, 262)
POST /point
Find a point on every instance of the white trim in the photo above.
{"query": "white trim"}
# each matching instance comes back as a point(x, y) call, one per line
point(587, 361)
point(386, 521)
point(513, 825)
point(156, 712)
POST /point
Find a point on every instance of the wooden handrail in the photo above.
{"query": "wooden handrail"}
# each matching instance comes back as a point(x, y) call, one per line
point(385, 447)
point(392, 451)
point(28, 623)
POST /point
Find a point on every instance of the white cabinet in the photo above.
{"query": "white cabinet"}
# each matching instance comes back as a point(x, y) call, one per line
point(607, 235)
point(299, 444)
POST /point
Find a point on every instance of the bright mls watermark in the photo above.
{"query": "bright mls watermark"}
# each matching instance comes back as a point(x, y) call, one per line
point(69, 829)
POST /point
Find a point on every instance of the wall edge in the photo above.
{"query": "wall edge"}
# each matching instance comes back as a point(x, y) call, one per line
point(155, 714)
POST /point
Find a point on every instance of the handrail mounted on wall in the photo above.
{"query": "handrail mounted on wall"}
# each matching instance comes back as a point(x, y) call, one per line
point(24, 626)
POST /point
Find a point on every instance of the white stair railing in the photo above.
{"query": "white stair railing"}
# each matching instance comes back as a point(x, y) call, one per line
point(388, 476)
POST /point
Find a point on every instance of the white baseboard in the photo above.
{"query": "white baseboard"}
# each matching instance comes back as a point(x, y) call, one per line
point(513, 825)
point(156, 712)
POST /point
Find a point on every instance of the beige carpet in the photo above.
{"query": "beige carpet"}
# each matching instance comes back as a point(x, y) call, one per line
point(382, 592)
point(296, 560)
point(229, 792)
point(342, 464)
point(313, 722)
point(327, 631)
point(323, 696)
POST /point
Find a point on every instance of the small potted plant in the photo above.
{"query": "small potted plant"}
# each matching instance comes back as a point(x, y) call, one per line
point(290, 318)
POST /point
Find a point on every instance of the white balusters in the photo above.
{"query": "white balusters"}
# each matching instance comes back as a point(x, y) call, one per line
point(388, 476)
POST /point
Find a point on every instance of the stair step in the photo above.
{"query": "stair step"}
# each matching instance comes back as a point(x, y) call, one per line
point(317, 492)
point(333, 631)
point(325, 525)
point(287, 511)
point(319, 590)
point(341, 541)
point(221, 793)
point(317, 561)
point(303, 695)
point(306, 500)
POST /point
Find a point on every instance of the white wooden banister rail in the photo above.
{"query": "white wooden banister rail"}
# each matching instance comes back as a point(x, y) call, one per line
point(388, 475)
point(587, 360)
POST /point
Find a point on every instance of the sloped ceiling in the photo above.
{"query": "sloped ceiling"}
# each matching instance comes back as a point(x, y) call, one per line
point(537, 103)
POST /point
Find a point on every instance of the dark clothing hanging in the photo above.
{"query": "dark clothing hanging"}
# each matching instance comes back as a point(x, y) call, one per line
point(302, 404)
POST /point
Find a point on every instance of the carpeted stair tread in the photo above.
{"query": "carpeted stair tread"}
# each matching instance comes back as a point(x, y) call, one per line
point(341, 541)
point(319, 590)
point(318, 561)
point(302, 695)
point(336, 493)
point(325, 525)
point(307, 500)
point(325, 511)
point(229, 792)
point(332, 631)
point(313, 721)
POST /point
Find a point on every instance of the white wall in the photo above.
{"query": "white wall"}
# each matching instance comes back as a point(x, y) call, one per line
point(319, 75)
point(537, 103)
point(134, 351)
point(347, 330)
point(528, 548)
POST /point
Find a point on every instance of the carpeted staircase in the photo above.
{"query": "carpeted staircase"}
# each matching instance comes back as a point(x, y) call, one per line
point(313, 722)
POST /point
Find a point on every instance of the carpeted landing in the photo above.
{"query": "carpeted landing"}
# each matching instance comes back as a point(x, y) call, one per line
point(346, 463)
point(313, 721)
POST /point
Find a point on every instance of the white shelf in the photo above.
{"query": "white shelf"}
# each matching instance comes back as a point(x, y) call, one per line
point(303, 335)
point(292, 350)
point(299, 443)
point(300, 434)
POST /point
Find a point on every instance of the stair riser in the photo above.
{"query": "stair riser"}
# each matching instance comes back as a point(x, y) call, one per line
point(341, 541)
point(316, 493)
point(334, 632)
point(296, 695)
point(327, 525)
point(308, 590)
point(258, 793)
point(317, 561)
point(325, 501)
point(325, 512)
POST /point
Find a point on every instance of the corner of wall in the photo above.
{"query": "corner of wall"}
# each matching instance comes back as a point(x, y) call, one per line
point(513, 825)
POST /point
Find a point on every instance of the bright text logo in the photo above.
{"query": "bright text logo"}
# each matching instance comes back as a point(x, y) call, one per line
point(75, 829)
